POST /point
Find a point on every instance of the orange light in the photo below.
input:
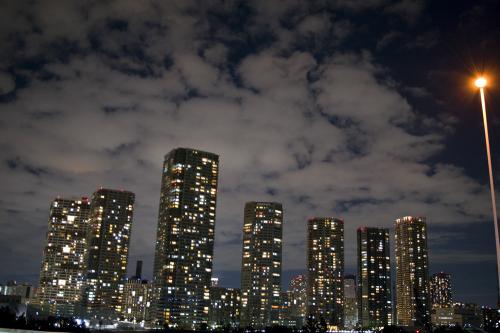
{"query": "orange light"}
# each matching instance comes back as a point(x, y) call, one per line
point(481, 82)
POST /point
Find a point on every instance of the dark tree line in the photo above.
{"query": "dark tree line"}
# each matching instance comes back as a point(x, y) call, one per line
point(8, 319)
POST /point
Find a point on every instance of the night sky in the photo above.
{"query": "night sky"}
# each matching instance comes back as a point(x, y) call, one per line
point(360, 109)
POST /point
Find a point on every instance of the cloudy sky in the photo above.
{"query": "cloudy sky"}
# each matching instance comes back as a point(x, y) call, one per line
point(356, 109)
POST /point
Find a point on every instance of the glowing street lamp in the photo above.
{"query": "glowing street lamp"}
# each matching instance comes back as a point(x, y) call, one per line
point(481, 83)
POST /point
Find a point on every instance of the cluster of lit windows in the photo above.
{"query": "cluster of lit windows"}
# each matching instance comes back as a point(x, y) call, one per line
point(412, 288)
point(440, 290)
point(63, 263)
point(261, 271)
point(111, 223)
point(325, 262)
point(185, 236)
point(136, 294)
point(224, 308)
point(297, 299)
point(374, 302)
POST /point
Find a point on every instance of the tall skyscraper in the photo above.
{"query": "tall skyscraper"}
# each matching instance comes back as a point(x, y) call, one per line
point(412, 272)
point(185, 238)
point(374, 278)
point(350, 302)
point(261, 264)
point(325, 264)
point(440, 289)
point(298, 300)
point(111, 213)
point(63, 265)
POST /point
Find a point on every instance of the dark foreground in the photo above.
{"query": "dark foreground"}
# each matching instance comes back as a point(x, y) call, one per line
point(56, 324)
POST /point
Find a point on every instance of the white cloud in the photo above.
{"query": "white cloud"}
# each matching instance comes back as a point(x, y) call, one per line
point(329, 138)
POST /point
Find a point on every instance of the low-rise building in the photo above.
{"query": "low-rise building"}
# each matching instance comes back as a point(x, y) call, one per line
point(136, 300)
point(461, 314)
point(350, 302)
point(25, 291)
point(224, 311)
point(443, 316)
point(285, 310)
point(490, 319)
point(467, 315)
point(13, 303)
point(298, 300)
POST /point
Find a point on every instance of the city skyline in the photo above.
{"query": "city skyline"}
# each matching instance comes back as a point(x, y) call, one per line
point(172, 163)
point(283, 283)
point(87, 251)
point(351, 109)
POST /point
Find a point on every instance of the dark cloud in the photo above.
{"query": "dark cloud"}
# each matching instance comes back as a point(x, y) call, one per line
point(410, 10)
point(7, 83)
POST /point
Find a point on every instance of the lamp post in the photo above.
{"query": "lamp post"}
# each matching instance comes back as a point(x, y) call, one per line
point(481, 83)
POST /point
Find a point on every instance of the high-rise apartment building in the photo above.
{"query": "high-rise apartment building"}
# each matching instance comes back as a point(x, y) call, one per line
point(225, 306)
point(412, 272)
point(298, 300)
point(185, 239)
point(110, 227)
point(374, 278)
point(350, 302)
point(440, 289)
point(325, 264)
point(261, 264)
point(63, 265)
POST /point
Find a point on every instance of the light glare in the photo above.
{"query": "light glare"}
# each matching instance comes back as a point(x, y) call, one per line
point(480, 82)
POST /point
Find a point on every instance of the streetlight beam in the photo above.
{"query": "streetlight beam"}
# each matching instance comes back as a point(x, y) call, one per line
point(481, 83)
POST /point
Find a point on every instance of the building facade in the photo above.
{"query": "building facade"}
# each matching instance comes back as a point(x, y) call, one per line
point(325, 265)
point(225, 306)
point(136, 297)
point(285, 318)
point(185, 239)
point(261, 264)
point(374, 278)
point(25, 291)
point(64, 257)
point(467, 314)
point(440, 289)
point(110, 227)
point(136, 300)
point(298, 300)
point(350, 302)
point(443, 316)
point(490, 319)
point(412, 272)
